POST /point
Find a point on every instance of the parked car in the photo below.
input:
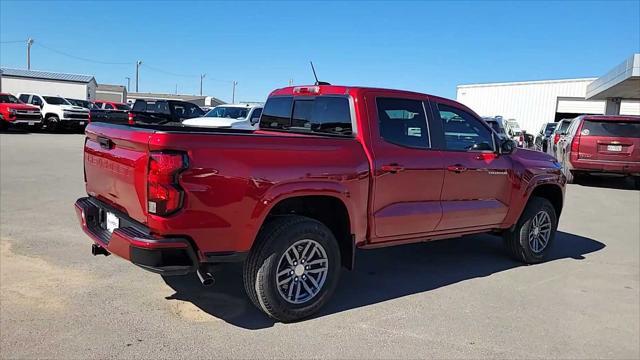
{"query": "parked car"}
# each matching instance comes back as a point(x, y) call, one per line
point(242, 116)
point(111, 105)
point(57, 112)
point(497, 124)
point(514, 132)
point(107, 112)
point(558, 137)
point(602, 144)
point(15, 113)
point(331, 169)
point(171, 112)
point(543, 138)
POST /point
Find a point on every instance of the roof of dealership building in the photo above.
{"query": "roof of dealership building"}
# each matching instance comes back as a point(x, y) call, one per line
point(623, 81)
point(46, 75)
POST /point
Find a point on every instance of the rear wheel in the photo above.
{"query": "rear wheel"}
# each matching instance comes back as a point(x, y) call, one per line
point(529, 241)
point(293, 269)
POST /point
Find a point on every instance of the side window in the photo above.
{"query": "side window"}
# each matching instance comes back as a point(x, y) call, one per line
point(255, 116)
point(192, 110)
point(276, 113)
point(35, 100)
point(24, 98)
point(462, 131)
point(403, 122)
point(99, 104)
point(108, 106)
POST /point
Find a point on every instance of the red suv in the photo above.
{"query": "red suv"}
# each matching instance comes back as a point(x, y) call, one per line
point(602, 144)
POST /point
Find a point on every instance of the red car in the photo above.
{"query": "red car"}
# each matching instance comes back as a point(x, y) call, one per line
point(602, 144)
point(332, 169)
point(15, 113)
point(110, 105)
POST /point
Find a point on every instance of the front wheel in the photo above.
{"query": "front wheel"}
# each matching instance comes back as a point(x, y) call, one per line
point(53, 123)
point(529, 241)
point(293, 269)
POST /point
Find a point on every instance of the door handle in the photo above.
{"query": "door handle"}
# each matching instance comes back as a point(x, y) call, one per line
point(457, 168)
point(392, 168)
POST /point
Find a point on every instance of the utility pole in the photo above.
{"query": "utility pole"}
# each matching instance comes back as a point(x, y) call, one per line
point(233, 94)
point(138, 63)
point(29, 43)
point(201, 77)
point(176, 89)
point(290, 82)
point(128, 83)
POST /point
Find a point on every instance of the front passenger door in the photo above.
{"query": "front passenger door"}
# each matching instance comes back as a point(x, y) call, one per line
point(477, 186)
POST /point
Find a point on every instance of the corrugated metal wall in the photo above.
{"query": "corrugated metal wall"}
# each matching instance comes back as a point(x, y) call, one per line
point(530, 103)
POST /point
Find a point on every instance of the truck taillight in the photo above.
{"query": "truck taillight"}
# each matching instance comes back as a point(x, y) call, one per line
point(89, 118)
point(164, 194)
point(306, 90)
point(556, 138)
point(575, 144)
point(131, 118)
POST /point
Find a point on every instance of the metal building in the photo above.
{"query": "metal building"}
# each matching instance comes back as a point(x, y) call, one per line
point(533, 103)
point(115, 93)
point(48, 83)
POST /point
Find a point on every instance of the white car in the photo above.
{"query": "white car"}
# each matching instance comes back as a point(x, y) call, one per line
point(57, 112)
point(238, 116)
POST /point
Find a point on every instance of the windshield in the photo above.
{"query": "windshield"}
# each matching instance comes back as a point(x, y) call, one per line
point(54, 100)
point(82, 103)
point(549, 129)
point(228, 112)
point(9, 99)
point(626, 129)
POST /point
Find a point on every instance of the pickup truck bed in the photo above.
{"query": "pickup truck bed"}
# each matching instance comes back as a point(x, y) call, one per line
point(331, 169)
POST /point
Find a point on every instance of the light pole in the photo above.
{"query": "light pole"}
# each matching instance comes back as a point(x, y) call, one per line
point(138, 63)
point(29, 43)
point(201, 77)
point(128, 83)
point(233, 93)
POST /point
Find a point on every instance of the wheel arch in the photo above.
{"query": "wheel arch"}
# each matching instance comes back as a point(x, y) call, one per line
point(328, 203)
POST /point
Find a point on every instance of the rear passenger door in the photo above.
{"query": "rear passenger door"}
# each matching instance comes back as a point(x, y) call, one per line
point(407, 170)
point(476, 189)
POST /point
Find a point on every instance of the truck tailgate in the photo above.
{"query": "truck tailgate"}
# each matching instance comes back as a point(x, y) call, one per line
point(115, 165)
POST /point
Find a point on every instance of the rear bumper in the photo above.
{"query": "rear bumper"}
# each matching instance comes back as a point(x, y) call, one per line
point(132, 241)
point(602, 166)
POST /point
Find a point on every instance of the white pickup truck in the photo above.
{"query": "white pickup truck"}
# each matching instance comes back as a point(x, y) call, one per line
point(230, 116)
point(57, 112)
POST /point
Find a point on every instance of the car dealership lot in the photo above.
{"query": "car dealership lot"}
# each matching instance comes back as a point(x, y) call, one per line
point(459, 298)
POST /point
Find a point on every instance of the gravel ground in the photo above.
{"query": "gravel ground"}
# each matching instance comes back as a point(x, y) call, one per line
point(459, 298)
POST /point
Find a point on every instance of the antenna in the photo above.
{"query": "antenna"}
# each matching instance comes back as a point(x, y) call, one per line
point(316, 76)
point(314, 72)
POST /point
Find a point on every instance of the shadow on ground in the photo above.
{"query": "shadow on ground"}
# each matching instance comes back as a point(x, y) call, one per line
point(380, 275)
point(610, 182)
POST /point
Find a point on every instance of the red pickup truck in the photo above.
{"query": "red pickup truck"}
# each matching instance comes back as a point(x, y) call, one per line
point(15, 113)
point(332, 169)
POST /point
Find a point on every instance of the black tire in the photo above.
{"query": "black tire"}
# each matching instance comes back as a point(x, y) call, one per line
point(261, 266)
point(3, 126)
point(517, 240)
point(53, 123)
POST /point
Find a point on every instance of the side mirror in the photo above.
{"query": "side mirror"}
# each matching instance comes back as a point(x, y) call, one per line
point(507, 147)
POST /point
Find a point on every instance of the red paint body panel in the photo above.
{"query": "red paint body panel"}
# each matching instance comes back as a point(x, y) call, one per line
point(393, 194)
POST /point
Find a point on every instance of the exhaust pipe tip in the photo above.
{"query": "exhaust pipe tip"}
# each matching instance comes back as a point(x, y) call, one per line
point(206, 278)
point(99, 250)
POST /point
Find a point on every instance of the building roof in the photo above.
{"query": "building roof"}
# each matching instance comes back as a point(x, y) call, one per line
point(623, 81)
point(141, 95)
point(105, 87)
point(47, 75)
point(534, 82)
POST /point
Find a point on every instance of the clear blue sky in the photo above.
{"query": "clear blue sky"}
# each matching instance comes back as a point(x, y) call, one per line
point(423, 46)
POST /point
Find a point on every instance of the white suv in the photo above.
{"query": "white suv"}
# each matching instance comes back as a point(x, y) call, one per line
point(237, 116)
point(57, 112)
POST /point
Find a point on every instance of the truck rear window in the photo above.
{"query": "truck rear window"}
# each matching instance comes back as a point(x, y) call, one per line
point(322, 115)
point(625, 129)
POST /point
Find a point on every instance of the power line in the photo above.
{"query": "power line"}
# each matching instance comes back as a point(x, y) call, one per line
point(182, 75)
point(39, 43)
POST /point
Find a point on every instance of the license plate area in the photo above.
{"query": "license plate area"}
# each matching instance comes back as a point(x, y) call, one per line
point(614, 148)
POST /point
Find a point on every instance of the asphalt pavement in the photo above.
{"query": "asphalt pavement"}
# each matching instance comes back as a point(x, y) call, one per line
point(461, 298)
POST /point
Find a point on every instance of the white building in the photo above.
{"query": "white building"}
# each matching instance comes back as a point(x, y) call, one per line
point(73, 86)
point(115, 93)
point(533, 103)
